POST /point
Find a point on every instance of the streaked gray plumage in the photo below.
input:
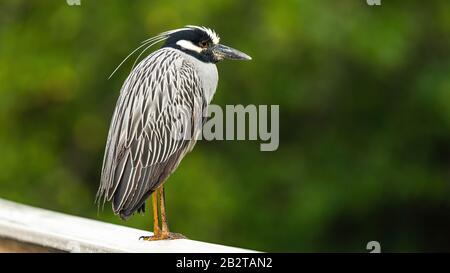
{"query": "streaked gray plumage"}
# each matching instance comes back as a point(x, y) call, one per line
point(164, 96)
point(140, 152)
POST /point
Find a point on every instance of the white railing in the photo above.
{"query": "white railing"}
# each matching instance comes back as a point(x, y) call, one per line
point(76, 234)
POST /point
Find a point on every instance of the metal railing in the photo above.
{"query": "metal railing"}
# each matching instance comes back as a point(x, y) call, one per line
point(62, 232)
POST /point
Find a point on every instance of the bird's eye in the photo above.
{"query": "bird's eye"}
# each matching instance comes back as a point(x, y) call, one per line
point(203, 44)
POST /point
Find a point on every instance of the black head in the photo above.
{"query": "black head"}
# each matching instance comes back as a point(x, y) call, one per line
point(202, 43)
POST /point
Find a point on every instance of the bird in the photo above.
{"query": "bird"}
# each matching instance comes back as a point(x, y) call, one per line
point(158, 118)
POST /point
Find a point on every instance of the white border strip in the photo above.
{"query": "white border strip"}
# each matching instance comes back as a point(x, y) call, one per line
point(76, 234)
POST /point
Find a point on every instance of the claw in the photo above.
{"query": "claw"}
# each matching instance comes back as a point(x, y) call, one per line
point(149, 238)
point(144, 238)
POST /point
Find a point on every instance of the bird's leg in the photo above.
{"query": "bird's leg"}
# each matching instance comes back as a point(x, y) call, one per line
point(162, 199)
point(159, 234)
point(165, 234)
point(156, 229)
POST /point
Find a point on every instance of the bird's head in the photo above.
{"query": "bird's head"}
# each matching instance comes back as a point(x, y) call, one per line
point(202, 43)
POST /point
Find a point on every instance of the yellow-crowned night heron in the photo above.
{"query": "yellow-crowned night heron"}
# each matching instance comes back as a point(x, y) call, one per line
point(158, 116)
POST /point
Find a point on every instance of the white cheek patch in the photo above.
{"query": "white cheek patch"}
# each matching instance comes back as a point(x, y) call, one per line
point(189, 46)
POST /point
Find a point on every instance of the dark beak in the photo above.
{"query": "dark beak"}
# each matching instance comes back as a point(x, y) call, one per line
point(224, 52)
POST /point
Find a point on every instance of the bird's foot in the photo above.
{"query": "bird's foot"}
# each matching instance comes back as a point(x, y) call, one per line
point(149, 238)
point(173, 236)
point(163, 236)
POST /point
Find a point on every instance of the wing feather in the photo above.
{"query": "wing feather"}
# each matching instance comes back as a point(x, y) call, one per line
point(162, 96)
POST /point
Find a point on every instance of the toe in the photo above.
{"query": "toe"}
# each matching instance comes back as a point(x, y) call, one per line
point(176, 236)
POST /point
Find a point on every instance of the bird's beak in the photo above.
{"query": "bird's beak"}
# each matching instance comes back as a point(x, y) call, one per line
point(224, 52)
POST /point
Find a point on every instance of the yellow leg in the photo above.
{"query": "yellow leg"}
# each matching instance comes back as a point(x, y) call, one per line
point(166, 234)
point(156, 229)
point(159, 234)
point(162, 199)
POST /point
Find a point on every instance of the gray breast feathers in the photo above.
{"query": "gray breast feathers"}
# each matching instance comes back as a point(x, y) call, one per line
point(158, 114)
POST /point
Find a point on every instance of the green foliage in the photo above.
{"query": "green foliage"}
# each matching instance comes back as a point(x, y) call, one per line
point(364, 95)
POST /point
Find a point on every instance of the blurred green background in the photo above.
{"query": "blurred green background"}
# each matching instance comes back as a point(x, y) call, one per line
point(364, 95)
